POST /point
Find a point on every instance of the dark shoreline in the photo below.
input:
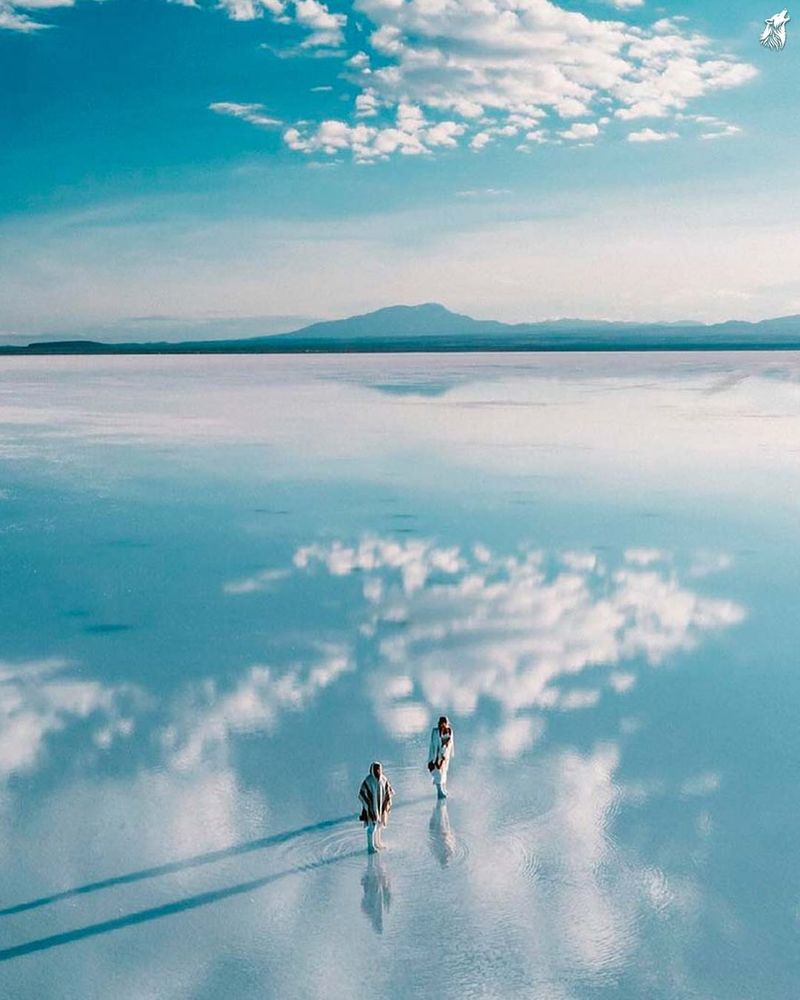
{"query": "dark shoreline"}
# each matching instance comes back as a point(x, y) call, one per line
point(396, 346)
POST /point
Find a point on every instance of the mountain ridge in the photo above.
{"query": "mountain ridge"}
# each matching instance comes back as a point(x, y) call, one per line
point(430, 326)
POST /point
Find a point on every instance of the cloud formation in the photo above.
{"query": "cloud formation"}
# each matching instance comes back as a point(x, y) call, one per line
point(39, 698)
point(203, 723)
point(519, 69)
point(325, 30)
point(251, 113)
point(15, 16)
point(447, 627)
point(435, 75)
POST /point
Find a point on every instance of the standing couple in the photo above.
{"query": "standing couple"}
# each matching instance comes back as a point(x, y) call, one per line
point(376, 793)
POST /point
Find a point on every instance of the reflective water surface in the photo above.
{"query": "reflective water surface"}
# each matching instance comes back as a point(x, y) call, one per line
point(230, 583)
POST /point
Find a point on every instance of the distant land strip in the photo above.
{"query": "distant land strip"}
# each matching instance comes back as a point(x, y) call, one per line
point(431, 327)
point(400, 345)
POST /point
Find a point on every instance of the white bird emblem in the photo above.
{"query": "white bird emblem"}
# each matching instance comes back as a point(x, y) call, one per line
point(774, 34)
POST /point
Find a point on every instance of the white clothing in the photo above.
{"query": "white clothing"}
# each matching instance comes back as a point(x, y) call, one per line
point(440, 752)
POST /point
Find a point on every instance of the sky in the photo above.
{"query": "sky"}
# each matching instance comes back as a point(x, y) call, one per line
point(227, 167)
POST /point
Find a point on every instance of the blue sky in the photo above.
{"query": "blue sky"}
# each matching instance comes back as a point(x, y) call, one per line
point(176, 167)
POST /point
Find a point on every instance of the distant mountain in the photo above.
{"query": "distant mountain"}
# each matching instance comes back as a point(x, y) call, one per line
point(432, 327)
point(427, 320)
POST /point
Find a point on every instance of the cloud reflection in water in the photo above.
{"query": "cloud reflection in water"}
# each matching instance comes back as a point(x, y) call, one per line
point(447, 626)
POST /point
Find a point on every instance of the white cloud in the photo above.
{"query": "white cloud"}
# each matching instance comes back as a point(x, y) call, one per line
point(621, 681)
point(579, 698)
point(705, 563)
point(202, 728)
point(701, 785)
point(249, 10)
point(518, 734)
point(444, 134)
point(725, 132)
point(487, 192)
point(480, 66)
point(581, 131)
point(581, 562)
point(265, 580)
point(252, 113)
point(411, 135)
point(491, 61)
point(14, 16)
point(40, 698)
point(458, 629)
point(645, 557)
point(651, 135)
point(366, 105)
point(325, 28)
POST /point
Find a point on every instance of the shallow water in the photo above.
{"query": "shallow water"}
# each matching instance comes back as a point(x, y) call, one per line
point(230, 583)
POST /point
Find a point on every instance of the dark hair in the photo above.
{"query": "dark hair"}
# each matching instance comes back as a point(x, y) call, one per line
point(443, 718)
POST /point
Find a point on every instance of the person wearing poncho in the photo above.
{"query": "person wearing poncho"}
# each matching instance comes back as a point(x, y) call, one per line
point(375, 796)
point(440, 753)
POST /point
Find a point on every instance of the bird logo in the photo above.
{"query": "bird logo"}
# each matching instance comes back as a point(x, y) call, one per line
point(774, 34)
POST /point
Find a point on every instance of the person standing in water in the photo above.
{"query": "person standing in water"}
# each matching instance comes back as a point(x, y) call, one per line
point(440, 754)
point(375, 796)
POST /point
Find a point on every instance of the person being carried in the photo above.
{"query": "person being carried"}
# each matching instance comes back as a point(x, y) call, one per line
point(440, 754)
point(375, 796)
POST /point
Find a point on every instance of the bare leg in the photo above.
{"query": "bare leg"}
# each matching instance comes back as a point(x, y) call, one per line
point(371, 846)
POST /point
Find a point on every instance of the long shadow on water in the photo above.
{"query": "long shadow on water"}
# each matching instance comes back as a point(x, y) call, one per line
point(170, 868)
point(165, 910)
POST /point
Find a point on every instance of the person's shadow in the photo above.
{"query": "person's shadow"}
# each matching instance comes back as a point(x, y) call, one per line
point(377, 888)
point(440, 834)
point(186, 903)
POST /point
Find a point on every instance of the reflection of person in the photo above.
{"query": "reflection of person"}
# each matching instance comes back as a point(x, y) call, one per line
point(440, 754)
point(443, 842)
point(375, 796)
point(377, 892)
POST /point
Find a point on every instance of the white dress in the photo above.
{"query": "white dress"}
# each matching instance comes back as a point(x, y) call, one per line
point(441, 752)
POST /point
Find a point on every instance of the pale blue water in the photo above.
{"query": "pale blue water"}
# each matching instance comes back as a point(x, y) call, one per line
point(228, 584)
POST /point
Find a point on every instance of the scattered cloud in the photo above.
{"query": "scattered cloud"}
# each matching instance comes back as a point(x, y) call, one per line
point(645, 557)
point(14, 16)
point(249, 10)
point(651, 135)
point(325, 29)
point(447, 627)
point(621, 681)
point(410, 135)
point(724, 132)
point(479, 72)
point(701, 785)
point(203, 725)
point(497, 67)
point(265, 580)
point(582, 131)
point(705, 563)
point(40, 698)
point(251, 113)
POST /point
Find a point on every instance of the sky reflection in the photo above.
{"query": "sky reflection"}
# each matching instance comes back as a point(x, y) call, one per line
point(227, 589)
